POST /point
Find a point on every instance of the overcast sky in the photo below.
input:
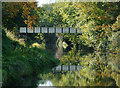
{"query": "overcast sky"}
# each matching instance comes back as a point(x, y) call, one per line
point(41, 2)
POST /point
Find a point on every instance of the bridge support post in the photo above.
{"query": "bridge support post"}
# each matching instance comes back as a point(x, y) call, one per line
point(61, 67)
point(68, 67)
point(75, 67)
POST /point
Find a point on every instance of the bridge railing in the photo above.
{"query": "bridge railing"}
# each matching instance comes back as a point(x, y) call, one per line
point(50, 30)
point(66, 68)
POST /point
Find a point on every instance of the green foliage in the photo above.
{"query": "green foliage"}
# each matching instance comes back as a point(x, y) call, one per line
point(101, 31)
point(98, 21)
point(100, 25)
point(21, 63)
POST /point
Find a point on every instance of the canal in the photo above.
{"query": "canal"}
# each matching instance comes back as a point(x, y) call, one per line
point(85, 67)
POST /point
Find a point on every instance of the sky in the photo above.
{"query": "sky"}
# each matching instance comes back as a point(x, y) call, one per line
point(41, 2)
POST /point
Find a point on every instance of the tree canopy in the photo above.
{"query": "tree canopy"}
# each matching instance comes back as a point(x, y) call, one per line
point(20, 13)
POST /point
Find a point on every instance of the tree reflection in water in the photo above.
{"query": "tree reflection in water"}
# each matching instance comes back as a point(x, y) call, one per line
point(98, 69)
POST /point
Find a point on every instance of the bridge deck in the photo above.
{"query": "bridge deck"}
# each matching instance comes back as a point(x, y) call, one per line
point(50, 30)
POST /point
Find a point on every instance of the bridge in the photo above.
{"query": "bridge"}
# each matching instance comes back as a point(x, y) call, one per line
point(60, 68)
point(50, 30)
point(57, 50)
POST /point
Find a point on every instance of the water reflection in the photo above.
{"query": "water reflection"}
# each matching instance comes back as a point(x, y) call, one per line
point(98, 69)
point(47, 83)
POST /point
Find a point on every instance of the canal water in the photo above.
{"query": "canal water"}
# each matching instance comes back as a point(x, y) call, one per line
point(81, 68)
point(98, 69)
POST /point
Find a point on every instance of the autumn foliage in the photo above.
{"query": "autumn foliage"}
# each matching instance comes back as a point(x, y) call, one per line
point(28, 11)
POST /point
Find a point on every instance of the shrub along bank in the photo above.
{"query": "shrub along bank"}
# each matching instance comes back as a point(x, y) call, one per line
point(22, 65)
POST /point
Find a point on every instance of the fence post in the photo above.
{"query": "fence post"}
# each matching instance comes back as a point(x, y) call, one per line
point(62, 67)
point(69, 67)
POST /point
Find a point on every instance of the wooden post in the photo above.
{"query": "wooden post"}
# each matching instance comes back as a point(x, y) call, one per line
point(33, 30)
point(75, 67)
point(61, 67)
point(47, 29)
point(26, 34)
point(69, 30)
point(76, 30)
point(40, 30)
point(62, 30)
point(55, 29)
point(69, 67)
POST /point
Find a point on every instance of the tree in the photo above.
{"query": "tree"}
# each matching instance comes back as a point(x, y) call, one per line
point(19, 14)
point(94, 19)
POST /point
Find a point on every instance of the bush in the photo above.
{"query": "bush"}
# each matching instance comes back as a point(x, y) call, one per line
point(22, 64)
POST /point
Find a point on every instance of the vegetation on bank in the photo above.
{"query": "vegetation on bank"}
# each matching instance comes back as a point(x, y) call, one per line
point(100, 23)
point(23, 59)
point(22, 65)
